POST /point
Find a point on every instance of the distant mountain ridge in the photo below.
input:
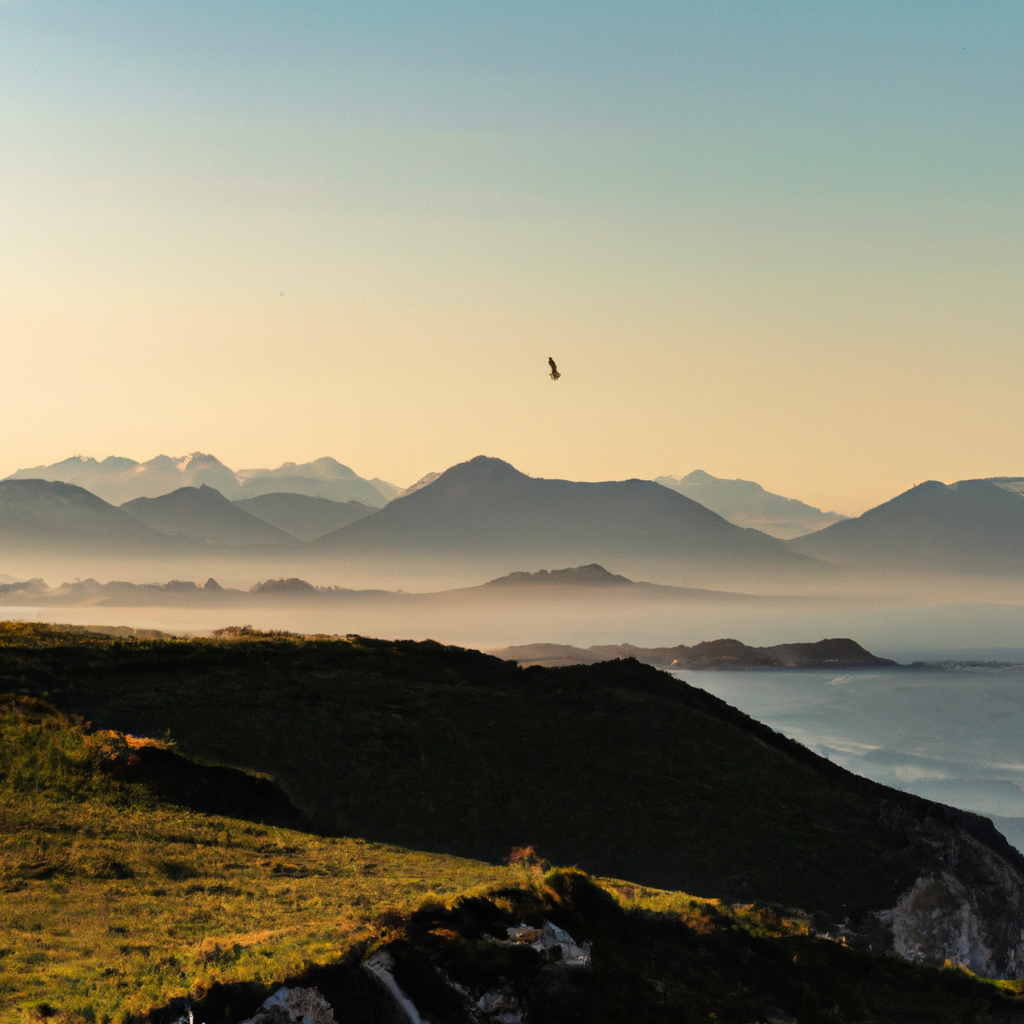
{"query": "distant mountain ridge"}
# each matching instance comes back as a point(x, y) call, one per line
point(973, 527)
point(593, 575)
point(203, 514)
point(43, 513)
point(117, 479)
point(748, 504)
point(302, 515)
point(506, 593)
point(322, 478)
point(837, 653)
point(487, 511)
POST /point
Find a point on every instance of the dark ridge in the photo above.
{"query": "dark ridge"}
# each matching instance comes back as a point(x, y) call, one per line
point(981, 828)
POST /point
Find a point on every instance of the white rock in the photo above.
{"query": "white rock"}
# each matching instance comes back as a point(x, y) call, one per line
point(294, 1006)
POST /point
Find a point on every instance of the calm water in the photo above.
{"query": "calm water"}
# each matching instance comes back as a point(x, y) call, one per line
point(952, 735)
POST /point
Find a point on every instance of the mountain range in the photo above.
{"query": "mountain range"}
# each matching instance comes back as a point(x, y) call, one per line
point(118, 480)
point(62, 517)
point(746, 503)
point(302, 515)
point(68, 518)
point(488, 512)
point(973, 527)
point(486, 517)
point(576, 586)
point(203, 514)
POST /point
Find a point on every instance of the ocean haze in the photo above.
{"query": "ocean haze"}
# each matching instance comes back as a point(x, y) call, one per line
point(951, 735)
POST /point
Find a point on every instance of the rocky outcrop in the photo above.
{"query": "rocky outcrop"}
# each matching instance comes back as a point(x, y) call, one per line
point(968, 910)
point(294, 1006)
point(500, 1004)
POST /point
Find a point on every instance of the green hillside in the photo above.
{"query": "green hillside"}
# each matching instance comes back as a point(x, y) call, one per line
point(616, 767)
point(113, 902)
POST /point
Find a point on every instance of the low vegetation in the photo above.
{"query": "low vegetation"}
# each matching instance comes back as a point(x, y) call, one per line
point(113, 902)
point(618, 768)
point(131, 875)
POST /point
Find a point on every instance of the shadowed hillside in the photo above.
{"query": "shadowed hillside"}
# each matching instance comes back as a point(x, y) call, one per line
point(40, 513)
point(133, 878)
point(617, 767)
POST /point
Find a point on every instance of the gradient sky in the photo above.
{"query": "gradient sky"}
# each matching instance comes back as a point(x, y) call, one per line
point(781, 241)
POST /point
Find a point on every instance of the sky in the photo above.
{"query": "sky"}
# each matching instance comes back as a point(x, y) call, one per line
point(782, 242)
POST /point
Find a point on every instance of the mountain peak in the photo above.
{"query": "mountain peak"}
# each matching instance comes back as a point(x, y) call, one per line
point(485, 467)
point(746, 503)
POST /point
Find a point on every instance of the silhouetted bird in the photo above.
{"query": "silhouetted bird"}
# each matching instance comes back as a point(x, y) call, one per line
point(554, 375)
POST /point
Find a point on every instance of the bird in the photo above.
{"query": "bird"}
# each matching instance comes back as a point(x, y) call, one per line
point(554, 374)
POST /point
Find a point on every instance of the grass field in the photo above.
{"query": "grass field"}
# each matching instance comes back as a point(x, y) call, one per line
point(116, 897)
point(111, 902)
point(617, 767)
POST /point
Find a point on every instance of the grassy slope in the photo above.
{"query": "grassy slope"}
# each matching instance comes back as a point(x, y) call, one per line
point(616, 767)
point(111, 903)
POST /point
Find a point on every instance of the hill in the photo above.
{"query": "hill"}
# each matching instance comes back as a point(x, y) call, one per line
point(748, 504)
point(322, 478)
point(57, 517)
point(974, 527)
point(203, 514)
point(487, 512)
point(581, 576)
point(617, 767)
point(133, 877)
point(718, 654)
point(583, 582)
point(302, 515)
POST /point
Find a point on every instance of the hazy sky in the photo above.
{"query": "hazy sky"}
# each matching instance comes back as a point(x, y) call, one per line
point(782, 241)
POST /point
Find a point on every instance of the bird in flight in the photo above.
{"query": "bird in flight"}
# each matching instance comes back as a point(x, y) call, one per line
point(554, 374)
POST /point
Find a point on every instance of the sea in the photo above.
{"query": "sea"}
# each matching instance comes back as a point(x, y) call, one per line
point(950, 731)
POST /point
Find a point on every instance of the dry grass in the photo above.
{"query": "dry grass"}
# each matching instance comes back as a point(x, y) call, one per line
point(108, 912)
point(110, 903)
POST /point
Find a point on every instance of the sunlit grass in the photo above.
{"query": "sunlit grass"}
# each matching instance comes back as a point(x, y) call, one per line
point(199, 899)
point(111, 904)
